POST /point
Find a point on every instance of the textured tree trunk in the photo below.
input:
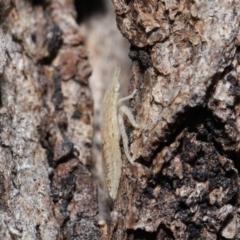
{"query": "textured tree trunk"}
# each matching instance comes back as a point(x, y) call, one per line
point(45, 124)
point(186, 68)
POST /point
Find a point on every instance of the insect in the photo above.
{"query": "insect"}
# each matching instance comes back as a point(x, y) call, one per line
point(112, 130)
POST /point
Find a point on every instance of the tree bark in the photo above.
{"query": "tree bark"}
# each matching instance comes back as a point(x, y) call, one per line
point(46, 124)
point(186, 68)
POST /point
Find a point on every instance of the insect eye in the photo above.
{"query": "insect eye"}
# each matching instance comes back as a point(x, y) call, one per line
point(116, 89)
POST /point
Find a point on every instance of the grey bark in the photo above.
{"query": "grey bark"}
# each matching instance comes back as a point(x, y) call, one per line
point(45, 124)
point(186, 61)
point(185, 182)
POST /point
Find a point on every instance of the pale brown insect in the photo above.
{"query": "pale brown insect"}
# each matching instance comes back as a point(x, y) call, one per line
point(111, 131)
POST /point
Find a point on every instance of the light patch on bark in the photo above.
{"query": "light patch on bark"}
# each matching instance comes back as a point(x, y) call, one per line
point(2, 52)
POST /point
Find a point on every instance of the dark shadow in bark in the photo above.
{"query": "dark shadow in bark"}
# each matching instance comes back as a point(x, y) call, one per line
point(86, 8)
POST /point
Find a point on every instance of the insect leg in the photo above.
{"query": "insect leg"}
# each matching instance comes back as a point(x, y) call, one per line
point(124, 138)
point(125, 110)
point(127, 98)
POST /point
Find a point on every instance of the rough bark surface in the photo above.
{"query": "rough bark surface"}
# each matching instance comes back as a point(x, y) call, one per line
point(186, 68)
point(45, 124)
